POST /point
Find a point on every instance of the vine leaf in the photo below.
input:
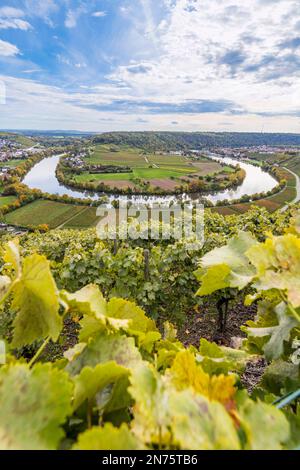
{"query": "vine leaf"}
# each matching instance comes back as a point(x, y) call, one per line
point(265, 427)
point(88, 300)
point(185, 373)
point(34, 405)
point(91, 380)
point(36, 303)
point(274, 347)
point(151, 410)
point(277, 262)
point(104, 348)
point(198, 424)
point(228, 266)
point(107, 438)
point(11, 256)
point(5, 284)
point(126, 310)
point(216, 278)
point(167, 417)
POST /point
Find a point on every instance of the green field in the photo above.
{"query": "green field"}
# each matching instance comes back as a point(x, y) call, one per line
point(85, 219)
point(5, 200)
point(13, 163)
point(20, 139)
point(54, 214)
point(145, 166)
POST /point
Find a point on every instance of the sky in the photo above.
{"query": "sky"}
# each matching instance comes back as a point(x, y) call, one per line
point(179, 65)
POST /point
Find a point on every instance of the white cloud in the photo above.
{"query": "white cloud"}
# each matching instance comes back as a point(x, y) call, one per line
point(71, 19)
point(10, 18)
point(48, 107)
point(14, 23)
point(7, 49)
point(99, 14)
point(74, 15)
point(205, 50)
point(10, 12)
point(216, 50)
point(43, 9)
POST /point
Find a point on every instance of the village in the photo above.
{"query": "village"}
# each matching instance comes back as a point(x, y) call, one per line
point(243, 152)
point(12, 151)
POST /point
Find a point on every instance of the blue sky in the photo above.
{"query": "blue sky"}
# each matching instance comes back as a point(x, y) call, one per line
point(195, 65)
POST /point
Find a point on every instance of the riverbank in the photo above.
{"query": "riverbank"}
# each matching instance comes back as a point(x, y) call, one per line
point(57, 210)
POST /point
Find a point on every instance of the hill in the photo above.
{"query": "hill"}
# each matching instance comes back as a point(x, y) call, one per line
point(195, 140)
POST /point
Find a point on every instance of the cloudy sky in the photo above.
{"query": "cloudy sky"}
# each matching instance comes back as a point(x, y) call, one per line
point(195, 65)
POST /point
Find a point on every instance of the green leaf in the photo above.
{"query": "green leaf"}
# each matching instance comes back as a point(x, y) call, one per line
point(87, 300)
point(198, 424)
point(277, 262)
point(169, 418)
point(151, 413)
point(5, 284)
point(36, 302)
point(216, 278)
point(294, 421)
point(90, 326)
point(281, 377)
point(107, 438)
point(116, 314)
point(216, 359)
point(34, 405)
point(274, 347)
point(11, 255)
point(105, 348)
point(233, 256)
point(126, 310)
point(265, 427)
point(92, 380)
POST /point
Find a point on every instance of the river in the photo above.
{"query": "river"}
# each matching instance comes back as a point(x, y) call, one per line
point(42, 176)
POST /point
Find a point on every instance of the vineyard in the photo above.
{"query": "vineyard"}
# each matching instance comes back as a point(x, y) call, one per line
point(98, 356)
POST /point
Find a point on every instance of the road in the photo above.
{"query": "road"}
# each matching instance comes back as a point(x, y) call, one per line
point(297, 198)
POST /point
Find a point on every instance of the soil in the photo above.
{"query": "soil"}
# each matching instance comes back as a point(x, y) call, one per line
point(68, 339)
point(253, 373)
point(205, 325)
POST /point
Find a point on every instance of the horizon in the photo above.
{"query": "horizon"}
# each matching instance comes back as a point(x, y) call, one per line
point(101, 66)
point(62, 131)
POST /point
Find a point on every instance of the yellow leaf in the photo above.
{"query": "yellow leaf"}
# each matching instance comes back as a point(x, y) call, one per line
point(186, 373)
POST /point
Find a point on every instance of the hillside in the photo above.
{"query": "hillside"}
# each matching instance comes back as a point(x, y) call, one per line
point(195, 140)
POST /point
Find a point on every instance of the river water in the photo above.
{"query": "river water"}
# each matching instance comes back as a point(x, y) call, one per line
point(42, 176)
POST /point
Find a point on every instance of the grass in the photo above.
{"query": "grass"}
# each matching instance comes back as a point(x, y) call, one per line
point(85, 219)
point(5, 200)
point(145, 166)
point(85, 177)
point(123, 156)
point(271, 203)
point(12, 163)
point(39, 212)
point(142, 173)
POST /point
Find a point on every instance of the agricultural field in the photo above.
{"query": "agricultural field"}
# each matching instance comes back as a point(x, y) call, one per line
point(159, 170)
point(272, 203)
point(85, 219)
point(5, 200)
point(54, 214)
point(13, 163)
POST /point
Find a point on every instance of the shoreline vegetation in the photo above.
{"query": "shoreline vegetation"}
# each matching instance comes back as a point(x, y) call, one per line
point(203, 184)
point(16, 195)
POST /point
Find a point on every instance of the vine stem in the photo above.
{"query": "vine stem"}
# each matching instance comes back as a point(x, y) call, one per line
point(39, 352)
